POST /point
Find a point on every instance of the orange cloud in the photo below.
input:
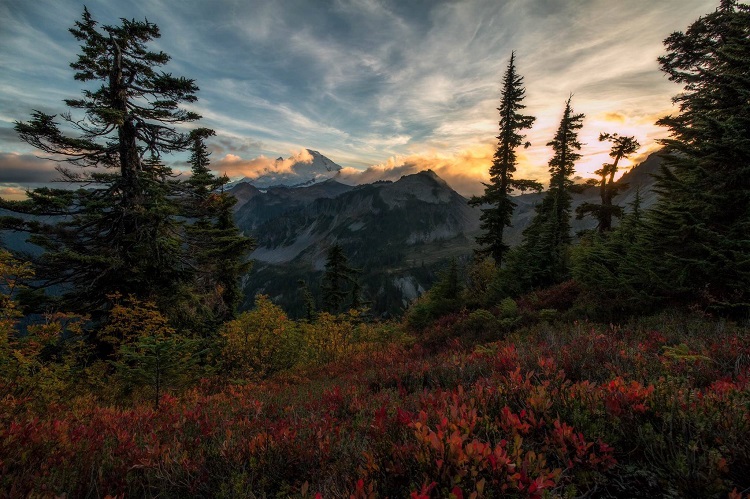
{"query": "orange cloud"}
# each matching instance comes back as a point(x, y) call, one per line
point(595, 153)
point(464, 171)
point(615, 117)
point(11, 193)
point(235, 166)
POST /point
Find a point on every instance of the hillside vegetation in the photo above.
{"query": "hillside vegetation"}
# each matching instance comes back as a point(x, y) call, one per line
point(657, 407)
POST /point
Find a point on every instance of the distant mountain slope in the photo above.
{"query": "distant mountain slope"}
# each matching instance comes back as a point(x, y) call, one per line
point(259, 207)
point(369, 220)
point(398, 233)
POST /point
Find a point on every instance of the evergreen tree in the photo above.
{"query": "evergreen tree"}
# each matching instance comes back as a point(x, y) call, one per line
point(118, 231)
point(622, 147)
point(498, 216)
point(148, 353)
point(448, 285)
point(307, 299)
point(338, 280)
point(217, 249)
point(610, 269)
point(699, 228)
point(542, 258)
point(443, 298)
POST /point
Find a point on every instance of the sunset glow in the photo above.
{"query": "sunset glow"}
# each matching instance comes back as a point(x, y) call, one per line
point(376, 86)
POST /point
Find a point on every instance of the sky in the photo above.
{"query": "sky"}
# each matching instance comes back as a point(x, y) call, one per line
point(377, 86)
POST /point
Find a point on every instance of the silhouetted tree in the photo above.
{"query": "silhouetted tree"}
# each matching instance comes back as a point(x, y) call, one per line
point(698, 230)
point(338, 280)
point(622, 147)
point(217, 250)
point(497, 193)
point(448, 285)
point(118, 231)
point(307, 299)
point(443, 298)
point(610, 269)
point(542, 260)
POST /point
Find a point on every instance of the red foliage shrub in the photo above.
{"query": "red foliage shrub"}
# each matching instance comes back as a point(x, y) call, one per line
point(634, 418)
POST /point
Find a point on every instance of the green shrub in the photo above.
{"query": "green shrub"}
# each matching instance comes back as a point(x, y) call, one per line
point(508, 308)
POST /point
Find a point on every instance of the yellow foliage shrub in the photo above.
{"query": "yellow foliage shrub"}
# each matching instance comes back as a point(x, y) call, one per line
point(131, 319)
point(329, 338)
point(260, 342)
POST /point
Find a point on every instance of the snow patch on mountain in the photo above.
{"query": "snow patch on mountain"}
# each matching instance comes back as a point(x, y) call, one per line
point(303, 169)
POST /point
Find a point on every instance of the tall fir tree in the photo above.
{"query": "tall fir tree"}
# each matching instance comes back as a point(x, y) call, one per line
point(497, 193)
point(699, 228)
point(118, 231)
point(339, 281)
point(308, 300)
point(217, 249)
point(542, 258)
point(622, 147)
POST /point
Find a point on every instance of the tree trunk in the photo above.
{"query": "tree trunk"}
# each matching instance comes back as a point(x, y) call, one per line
point(127, 134)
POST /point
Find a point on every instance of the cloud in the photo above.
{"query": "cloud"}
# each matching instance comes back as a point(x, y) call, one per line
point(363, 80)
point(227, 144)
point(615, 117)
point(464, 171)
point(235, 166)
point(8, 137)
point(25, 169)
point(12, 193)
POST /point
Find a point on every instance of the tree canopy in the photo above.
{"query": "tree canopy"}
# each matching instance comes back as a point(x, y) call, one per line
point(121, 228)
point(698, 229)
point(542, 258)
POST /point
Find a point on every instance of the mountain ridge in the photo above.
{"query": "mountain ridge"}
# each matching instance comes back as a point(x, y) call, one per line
point(399, 233)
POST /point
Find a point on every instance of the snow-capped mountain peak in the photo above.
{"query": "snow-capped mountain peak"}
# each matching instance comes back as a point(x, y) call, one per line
point(306, 168)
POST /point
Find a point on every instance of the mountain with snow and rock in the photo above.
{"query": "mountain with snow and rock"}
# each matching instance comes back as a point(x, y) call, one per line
point(302, 170)
point(399, 234)
point(400, 216)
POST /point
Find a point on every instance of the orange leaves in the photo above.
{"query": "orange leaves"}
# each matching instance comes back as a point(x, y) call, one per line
point(130, 319)
point(505, 420)
point(363, 491)
point(620, 396)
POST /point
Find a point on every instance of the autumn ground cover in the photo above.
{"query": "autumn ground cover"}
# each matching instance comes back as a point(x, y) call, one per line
point(656, 408)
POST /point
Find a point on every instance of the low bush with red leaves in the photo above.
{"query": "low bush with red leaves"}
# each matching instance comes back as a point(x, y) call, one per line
point(585, 410)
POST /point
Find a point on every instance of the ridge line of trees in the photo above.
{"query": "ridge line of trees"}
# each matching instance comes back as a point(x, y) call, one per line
point(692, 246)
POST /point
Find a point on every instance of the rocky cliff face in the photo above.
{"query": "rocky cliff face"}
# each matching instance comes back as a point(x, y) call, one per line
point(259, 207)
point(369, 219)
point(396, 233)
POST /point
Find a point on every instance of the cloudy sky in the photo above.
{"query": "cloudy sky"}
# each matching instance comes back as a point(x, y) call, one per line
point(378, 84)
